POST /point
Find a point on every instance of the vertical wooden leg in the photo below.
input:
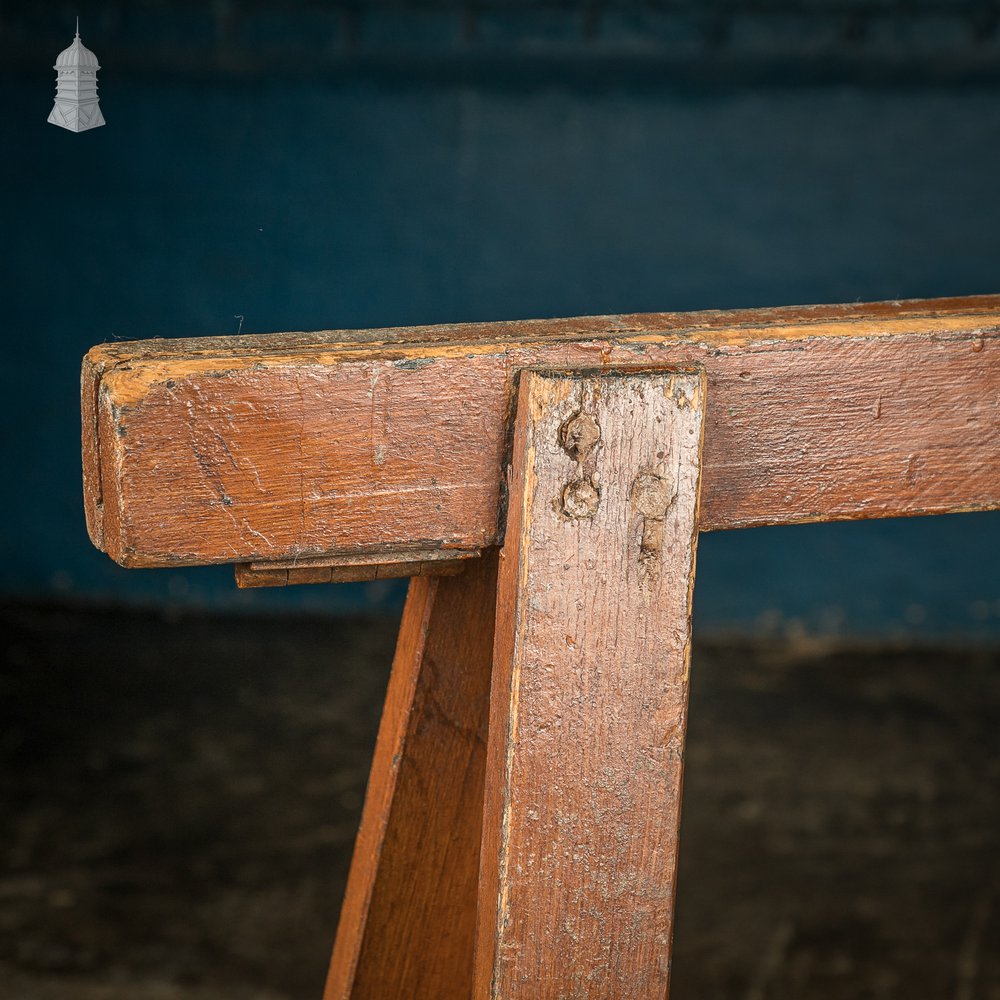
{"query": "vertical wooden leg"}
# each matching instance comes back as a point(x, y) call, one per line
point(407, 925)
point(590, 689)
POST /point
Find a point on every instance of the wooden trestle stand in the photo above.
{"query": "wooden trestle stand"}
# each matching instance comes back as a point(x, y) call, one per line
point(540, 482)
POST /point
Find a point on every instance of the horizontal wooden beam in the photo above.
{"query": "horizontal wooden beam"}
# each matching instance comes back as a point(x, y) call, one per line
point(375, 444)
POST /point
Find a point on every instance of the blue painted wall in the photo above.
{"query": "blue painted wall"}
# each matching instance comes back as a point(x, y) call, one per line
point(390, 199)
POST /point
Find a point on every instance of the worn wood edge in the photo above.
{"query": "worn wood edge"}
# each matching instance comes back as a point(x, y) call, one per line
point(93, 503)
point(369, 558)
point(509, 627)
point(252, 345)
point(689, 622)
point(109, 391)
point(353, 568)
point(107, 493)
point(250, 575)
point(389, 749)
point(127, 382)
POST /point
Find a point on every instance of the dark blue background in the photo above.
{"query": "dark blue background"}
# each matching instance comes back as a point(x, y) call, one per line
point(392, 198)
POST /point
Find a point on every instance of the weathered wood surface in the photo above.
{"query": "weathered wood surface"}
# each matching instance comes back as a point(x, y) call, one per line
point(251, 449)
point(590, 688)
point(340, 569)
point(408, 920)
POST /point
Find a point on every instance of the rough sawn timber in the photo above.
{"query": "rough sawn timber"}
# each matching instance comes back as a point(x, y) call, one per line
point(379, 443)
point(590, 689)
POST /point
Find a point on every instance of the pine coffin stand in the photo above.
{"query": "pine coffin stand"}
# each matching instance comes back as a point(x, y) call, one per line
point(543, 483)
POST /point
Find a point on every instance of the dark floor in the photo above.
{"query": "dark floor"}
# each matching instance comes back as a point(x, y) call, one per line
point(178, 799)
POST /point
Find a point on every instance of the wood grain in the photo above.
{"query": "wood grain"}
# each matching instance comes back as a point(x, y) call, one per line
point(344, 569)
point(251, 449)
point(590, 686)
point(408, 918)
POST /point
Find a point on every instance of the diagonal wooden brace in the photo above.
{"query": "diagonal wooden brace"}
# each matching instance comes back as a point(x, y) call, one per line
point(408, 919)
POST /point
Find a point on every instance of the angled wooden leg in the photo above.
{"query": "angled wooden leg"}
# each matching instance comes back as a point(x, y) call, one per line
point(590, 689)
point(407, 924)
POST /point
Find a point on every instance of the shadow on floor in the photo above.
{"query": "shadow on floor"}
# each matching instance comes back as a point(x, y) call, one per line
point(180, 796)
